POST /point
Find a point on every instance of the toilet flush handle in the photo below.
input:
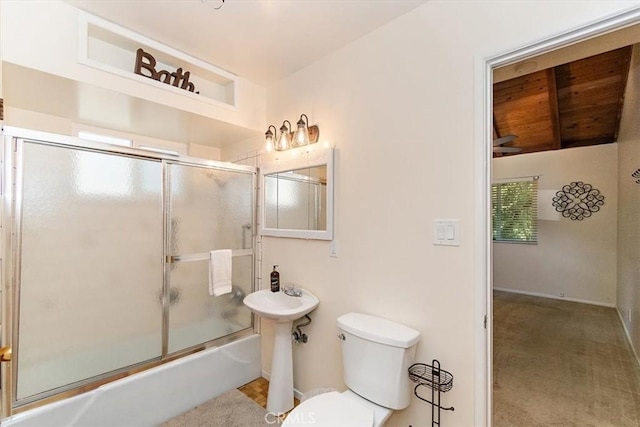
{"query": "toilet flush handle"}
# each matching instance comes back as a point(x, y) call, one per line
point(342, 337)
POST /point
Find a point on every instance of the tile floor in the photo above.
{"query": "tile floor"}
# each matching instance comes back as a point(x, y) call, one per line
point(258, 390)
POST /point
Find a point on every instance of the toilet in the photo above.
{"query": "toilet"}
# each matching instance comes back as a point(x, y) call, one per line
point(376, 355)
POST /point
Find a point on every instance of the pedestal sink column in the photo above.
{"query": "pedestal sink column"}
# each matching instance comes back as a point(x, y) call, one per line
point(280, 397)
point(283, 309)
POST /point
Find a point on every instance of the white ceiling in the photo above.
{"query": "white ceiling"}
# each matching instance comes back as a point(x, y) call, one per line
point(260, 40)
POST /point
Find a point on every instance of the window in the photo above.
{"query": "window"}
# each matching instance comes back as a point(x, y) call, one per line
point(514, 211)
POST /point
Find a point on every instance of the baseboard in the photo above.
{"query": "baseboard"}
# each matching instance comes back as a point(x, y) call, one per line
point(626, 332)
point(296, 393)
point(541, 295)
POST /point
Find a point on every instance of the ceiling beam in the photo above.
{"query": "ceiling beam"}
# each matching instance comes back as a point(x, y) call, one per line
point(553, 108)
point(625, 75)
point(572, 143)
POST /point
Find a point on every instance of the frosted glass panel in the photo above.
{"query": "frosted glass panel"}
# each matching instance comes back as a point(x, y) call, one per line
point(196, 317)
point(210, 209)
point(91, 266)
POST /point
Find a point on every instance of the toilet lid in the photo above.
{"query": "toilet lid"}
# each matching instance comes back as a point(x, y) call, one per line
point(330, 410)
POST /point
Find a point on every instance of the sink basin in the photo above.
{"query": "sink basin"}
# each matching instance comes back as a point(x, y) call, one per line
point(283, 309)
point(279, 306)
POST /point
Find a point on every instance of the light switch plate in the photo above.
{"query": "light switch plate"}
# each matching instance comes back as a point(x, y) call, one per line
point(446, 232)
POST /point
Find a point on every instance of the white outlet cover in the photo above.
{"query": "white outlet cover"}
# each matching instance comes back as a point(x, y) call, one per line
point(333, 249)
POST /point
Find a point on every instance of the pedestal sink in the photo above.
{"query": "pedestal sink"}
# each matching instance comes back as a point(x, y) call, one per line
point(283, 310)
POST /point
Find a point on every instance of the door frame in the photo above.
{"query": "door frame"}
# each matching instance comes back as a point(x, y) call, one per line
point(483, 96)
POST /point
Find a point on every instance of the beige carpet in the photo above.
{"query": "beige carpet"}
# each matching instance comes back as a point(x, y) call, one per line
point(558, 363)
point(232, 409)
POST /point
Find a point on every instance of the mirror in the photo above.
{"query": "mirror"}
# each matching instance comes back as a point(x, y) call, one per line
point(297, 196)
point(297, 199)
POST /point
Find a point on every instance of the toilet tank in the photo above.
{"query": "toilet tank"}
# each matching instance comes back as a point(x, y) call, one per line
point(376, 355)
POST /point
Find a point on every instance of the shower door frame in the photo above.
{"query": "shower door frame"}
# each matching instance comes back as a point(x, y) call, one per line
point(10, 232)
point(170, 259)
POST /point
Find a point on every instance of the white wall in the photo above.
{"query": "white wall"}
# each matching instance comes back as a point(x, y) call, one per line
point(1, 51)
point(44, 36)
point(204, 152)
point(26, 119)
point(629, 211)
point(574, 258)
point(398, 105)
point(18, 117)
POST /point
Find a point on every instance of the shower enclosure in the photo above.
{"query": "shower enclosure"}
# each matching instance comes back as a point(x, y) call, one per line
point(105, 262)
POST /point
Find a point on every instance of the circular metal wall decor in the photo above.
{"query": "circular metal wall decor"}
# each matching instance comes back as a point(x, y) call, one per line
point(578, 201)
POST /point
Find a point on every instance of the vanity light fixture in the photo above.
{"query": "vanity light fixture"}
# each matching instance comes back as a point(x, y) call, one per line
point(284, 142)
point(303, 135)
point(269, 138)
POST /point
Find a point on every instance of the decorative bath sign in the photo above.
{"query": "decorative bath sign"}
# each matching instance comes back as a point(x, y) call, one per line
point(636, 175)
point(578, 201)
point(146, 61)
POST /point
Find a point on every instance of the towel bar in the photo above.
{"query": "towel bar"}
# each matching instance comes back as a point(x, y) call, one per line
point(203, 256)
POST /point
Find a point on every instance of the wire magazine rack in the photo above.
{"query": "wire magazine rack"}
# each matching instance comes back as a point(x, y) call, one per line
point(437, 380)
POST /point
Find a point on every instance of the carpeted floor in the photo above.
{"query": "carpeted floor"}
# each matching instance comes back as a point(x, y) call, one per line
point(232, 409)
point(558, 363)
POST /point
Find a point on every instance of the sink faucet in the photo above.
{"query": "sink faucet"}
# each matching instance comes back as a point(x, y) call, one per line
point(292, 291)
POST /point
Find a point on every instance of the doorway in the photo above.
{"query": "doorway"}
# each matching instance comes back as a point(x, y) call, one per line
point(617, 23)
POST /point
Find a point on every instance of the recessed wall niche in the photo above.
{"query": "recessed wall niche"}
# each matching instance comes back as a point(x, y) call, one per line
point(109, 47)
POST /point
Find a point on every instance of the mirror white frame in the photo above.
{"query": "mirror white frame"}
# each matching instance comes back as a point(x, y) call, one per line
point(293, 160)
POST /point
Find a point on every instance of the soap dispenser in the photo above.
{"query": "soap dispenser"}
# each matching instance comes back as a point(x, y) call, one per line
point(275, 279)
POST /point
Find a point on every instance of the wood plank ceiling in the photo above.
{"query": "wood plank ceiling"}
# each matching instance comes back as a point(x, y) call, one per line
point(571, 105)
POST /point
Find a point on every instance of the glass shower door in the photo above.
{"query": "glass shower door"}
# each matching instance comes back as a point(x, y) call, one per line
point(89, 267)
point(209, 209)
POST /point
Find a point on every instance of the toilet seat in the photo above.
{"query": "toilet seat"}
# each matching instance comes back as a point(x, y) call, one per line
point(331, 409)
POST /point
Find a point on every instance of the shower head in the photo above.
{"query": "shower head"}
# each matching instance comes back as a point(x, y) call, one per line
point(217, 178)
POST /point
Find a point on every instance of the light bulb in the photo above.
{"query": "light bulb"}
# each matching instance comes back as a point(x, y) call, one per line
point(301, 137)
point(268, 137)
point(284, 142)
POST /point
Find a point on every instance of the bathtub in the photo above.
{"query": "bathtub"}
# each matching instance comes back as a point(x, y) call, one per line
point(155, 395)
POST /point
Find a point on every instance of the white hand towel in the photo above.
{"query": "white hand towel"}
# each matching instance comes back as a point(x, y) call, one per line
point(220, 272)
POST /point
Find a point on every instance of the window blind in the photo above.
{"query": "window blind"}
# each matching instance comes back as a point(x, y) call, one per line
point(514, 209)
